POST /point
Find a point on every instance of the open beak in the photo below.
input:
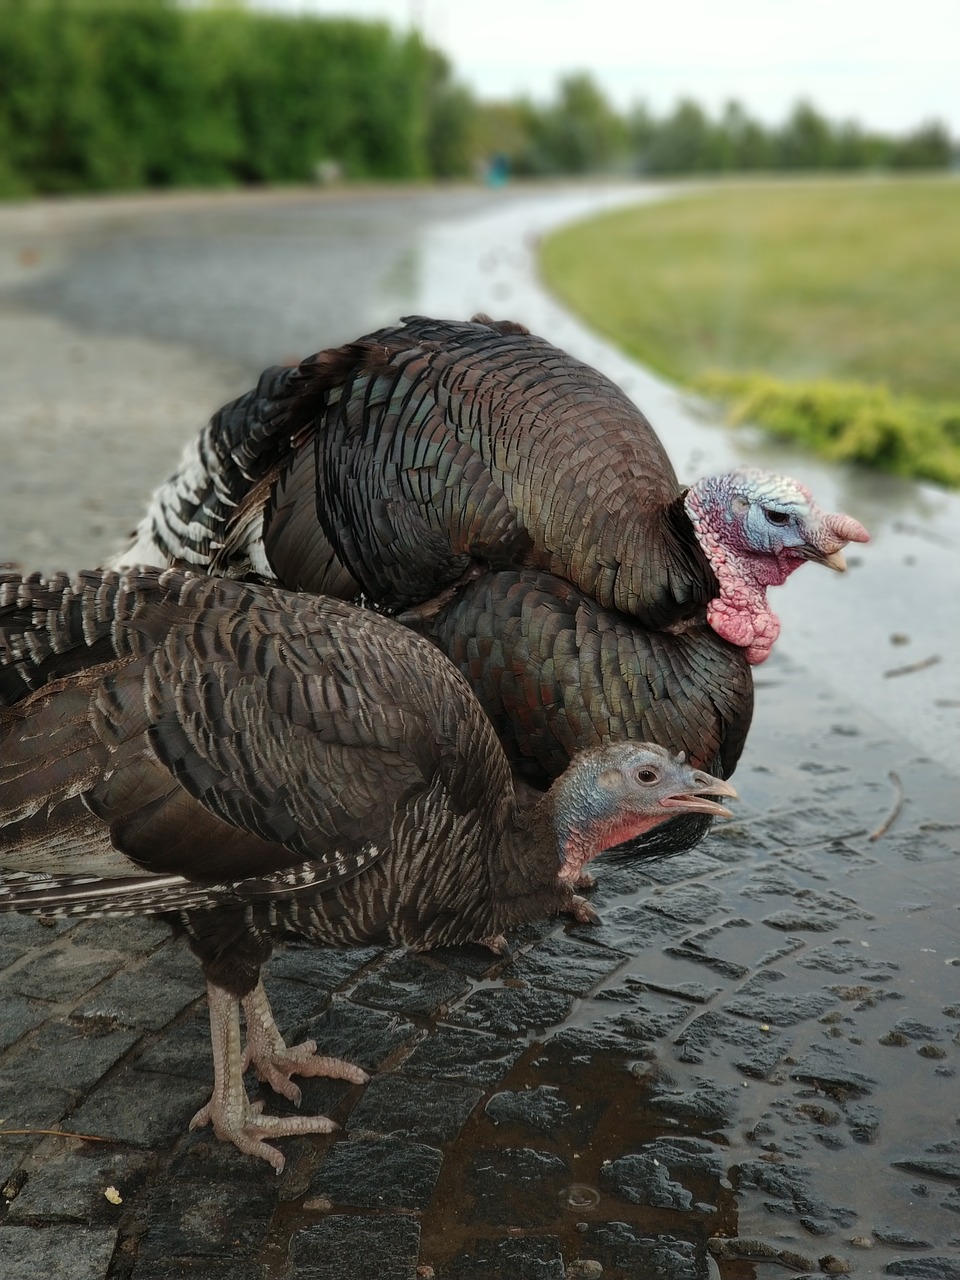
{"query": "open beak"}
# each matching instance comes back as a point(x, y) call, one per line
point(833, 561)
point(697, 798)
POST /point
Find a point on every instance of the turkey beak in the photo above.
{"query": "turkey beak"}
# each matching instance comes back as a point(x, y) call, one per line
point(835, 531)
point(834, 561)
point(696, 798)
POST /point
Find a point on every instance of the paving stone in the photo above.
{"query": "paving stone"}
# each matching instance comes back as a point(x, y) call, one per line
point(696, 992)
point(57, 1253)
point(524, 1258)
point(323, 968)
point(197, 1269)
point(630, 926)
point(181, 1050)
point(835, 1071)
point(24, 1105)
point(202, 1158)
point(626, 1254)
point(174, 962)
point(508, 1011)
point(513, 1187)
point(294, 1004)
point(473, 961)
point(410, 984)
point(786, 1188)
point(18, 1016)
point(684, 866)
point(200, 1218)
point(863, 1121)
point(321, 1096)
point(33, 933)
point(758, 998)
point(135, 936)
point(378, 1173)
point(541, 1109)
point(899, 1237)
point(72, 1180)
point(558, 1098)
point(63, 1051)
point(654, 1176)
point(688, 903)
point(564, 964)
point(639, 1014)
point(790, 920)
point(707, 1105)
point(752, 1049)
point(739, 842)
point(940, 1161)
point(140, 1108)
point(581, 1046)
point(729, 949)
point(136, 999)
point(455, 1054)
point(63, 972)
point(363, 1248)
point(403, 1106)
point(931, 1268)
point(363, 1036)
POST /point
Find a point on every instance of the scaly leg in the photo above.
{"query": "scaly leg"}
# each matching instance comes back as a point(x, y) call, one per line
point(275, 1062)
point(233, 1116)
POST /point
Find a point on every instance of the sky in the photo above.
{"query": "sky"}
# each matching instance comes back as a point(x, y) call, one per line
point(887, 66)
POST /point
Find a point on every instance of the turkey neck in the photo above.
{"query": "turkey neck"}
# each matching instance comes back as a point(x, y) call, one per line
point(530, 858)
point(661, 575)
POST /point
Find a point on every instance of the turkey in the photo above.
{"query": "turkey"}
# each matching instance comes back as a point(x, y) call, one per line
point(397, 465)
point(257, 766)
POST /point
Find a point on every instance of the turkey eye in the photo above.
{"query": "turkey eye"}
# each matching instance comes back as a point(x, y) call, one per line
point(776, 517)
point(647, 775)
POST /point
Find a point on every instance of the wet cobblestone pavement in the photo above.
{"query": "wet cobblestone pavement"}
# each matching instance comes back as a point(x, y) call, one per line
point(748, 1069)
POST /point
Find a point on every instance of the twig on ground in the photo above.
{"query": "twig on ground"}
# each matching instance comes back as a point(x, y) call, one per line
point(894, 812)
point(913, 666)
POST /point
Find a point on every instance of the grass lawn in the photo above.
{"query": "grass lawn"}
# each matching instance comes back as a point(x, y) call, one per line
point(811, 283)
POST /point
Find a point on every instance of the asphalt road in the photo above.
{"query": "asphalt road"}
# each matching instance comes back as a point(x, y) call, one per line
point(760, 1042)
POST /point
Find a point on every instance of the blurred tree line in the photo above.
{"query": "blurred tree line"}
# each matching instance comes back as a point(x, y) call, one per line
point(579, 132)
point(114, 94)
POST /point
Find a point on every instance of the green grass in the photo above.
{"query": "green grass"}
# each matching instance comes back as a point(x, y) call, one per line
point(768, 294)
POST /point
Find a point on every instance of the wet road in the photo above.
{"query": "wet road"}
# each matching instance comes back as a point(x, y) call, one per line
point(760, 1042)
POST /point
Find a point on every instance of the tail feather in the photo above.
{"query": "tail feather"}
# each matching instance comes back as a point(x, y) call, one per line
point(46, 895)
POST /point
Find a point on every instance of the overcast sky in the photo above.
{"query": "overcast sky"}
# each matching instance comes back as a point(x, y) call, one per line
point(891, 66)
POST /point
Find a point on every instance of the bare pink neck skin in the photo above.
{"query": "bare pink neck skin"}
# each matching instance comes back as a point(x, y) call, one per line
point(583, 844)
point(741, 612)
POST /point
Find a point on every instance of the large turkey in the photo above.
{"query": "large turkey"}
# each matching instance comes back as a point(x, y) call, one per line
point(399, 466)
point(258, 766)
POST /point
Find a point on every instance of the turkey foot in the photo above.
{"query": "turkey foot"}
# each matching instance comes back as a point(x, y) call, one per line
point(234, 1117)
point(238, 1120)
point(581, 910)
point(275, 1062)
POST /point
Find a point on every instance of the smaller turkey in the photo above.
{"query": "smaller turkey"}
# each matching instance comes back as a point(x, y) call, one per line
point(257, 766)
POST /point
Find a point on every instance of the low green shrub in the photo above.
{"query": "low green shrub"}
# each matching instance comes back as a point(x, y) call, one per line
point(848, 421)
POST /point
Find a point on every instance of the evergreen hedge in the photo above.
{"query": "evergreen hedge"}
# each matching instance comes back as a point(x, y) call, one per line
point(114, 94)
